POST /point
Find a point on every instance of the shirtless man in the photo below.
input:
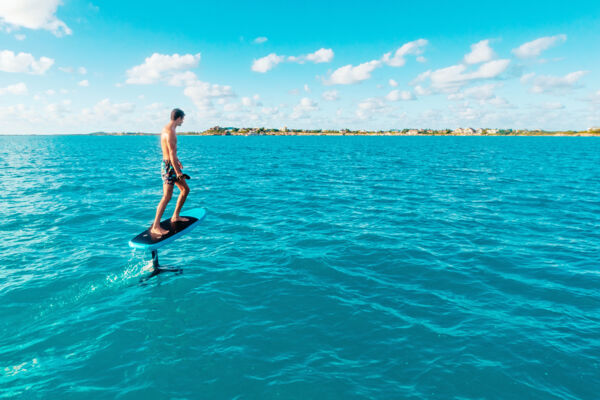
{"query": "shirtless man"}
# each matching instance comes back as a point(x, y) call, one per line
point(171, 173)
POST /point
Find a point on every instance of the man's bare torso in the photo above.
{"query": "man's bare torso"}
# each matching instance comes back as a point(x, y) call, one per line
point(167, 133)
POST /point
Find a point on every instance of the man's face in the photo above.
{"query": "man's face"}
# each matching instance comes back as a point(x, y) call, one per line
point(180, 121)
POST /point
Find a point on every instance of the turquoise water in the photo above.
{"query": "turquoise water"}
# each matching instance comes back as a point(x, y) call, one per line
point(327, 268)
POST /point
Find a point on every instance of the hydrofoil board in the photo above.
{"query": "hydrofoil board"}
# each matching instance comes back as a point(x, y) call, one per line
point(148, 241)
point(151, 242)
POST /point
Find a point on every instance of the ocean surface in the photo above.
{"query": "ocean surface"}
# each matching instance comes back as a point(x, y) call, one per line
point(326, 268)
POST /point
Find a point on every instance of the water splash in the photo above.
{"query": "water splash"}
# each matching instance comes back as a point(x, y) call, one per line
point(77, 294)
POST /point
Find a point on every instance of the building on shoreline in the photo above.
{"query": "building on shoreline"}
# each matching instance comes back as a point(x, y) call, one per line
point(464, 131)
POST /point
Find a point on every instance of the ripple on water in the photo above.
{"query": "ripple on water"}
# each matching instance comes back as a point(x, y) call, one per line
point(327, 268)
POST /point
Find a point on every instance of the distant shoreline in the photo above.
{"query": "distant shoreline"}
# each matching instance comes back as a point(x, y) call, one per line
point(315, 133)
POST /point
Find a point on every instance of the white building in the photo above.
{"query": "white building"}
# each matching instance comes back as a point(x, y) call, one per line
point(464, 131)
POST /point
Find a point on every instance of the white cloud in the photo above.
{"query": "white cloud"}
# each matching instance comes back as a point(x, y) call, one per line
point(230, 107)
point(84, 83)
point(535, 47)
point(470, 114)
point(393, 83)
point(527, 77)
point(70, 70)
point(58, 110)
point(421, 91)
point(156, 106)
point(489, 70)
point(396, 95)
point(545, 83)
point(202, 94)
point(251, 101)
point(16, 89)
point(498, 102)
point(480, 52)
point(553, 106)
point(306, 88)
point(32, 14)
point(20, 36)
point(50, 92)
point(422, 77)
point(185, 78)
point(18, 112)
point(368, 107)
point(105, 108)
point(349, 74)
point(270, 110)
point(330, 95)
point(398, 60)
point(320, 56)
point(304, 108)
point(260, 40)
point(24, 62)
point(266, 63)
point(308, 104)
point(160, 66)
point(448, 77)
point(451, 79)
point(208, 90)
point(482, 93)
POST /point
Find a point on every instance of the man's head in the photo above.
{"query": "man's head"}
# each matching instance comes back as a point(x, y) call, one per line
point(177, 115)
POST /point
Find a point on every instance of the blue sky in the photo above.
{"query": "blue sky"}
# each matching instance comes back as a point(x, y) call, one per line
point(78, 66)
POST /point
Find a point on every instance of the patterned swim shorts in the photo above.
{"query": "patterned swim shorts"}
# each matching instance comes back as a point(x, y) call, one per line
point(169, 176)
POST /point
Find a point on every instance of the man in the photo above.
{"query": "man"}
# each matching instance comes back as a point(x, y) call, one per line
point(171, 173)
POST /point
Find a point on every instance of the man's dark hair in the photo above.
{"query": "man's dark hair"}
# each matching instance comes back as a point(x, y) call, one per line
point(176, 113)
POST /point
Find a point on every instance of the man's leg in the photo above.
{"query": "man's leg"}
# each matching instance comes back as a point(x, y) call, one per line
point(184, 190)
point(167, 194)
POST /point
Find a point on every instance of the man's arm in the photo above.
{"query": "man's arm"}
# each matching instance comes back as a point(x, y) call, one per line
point(172, 145)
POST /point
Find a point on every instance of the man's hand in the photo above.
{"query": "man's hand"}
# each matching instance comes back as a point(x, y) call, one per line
point(180, 164)
point(181, 177)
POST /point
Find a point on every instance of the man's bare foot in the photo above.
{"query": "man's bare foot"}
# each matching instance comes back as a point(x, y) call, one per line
point(158, 231)
point(179, 219)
